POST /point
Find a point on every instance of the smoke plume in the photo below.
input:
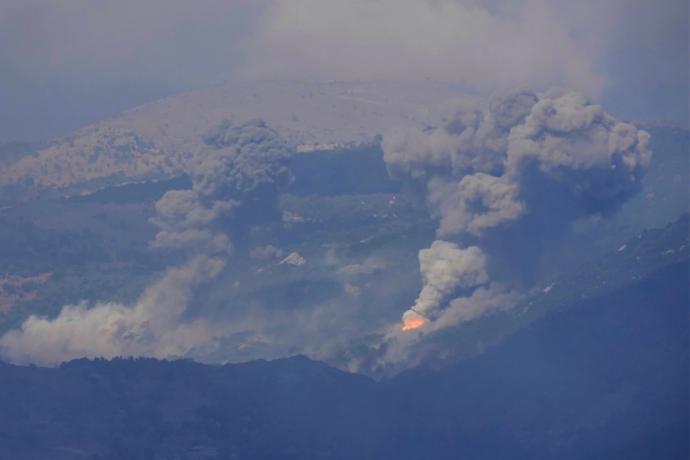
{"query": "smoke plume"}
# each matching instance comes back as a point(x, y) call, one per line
point(153, 326)
point(445, 267)
point(241, 167)
point(519, 169)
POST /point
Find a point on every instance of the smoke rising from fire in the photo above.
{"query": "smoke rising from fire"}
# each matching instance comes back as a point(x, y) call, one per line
point(445, 267)
point(502, 171)
point(241, 167)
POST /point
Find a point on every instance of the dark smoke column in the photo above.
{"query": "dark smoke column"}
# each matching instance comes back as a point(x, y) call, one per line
point(523, 157)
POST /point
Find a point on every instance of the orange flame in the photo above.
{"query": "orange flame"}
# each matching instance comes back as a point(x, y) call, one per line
point(412, 321)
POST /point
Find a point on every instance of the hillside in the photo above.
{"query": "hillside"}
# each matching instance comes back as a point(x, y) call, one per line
point(158, 139)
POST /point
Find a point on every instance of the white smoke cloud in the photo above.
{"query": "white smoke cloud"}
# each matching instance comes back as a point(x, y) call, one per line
point(476, 203)
point(581, 146)
point(547, 157)
point(483, 300)
point(153, 326)
point(446, 267)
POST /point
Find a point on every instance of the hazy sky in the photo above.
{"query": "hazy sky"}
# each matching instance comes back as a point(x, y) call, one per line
point(65, 63)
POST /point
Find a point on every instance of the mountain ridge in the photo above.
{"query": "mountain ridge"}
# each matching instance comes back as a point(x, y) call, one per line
point(159, 139)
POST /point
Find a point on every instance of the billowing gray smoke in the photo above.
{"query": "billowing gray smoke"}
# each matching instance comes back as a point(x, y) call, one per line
point(446, 267)
point(153, 326)
point(525, 161)
point(242, 161)
point(240, 165)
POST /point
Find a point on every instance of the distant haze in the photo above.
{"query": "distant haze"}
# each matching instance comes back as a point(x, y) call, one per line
point(67, 64)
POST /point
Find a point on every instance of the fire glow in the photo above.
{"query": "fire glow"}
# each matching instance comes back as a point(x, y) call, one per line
point(412, 320)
